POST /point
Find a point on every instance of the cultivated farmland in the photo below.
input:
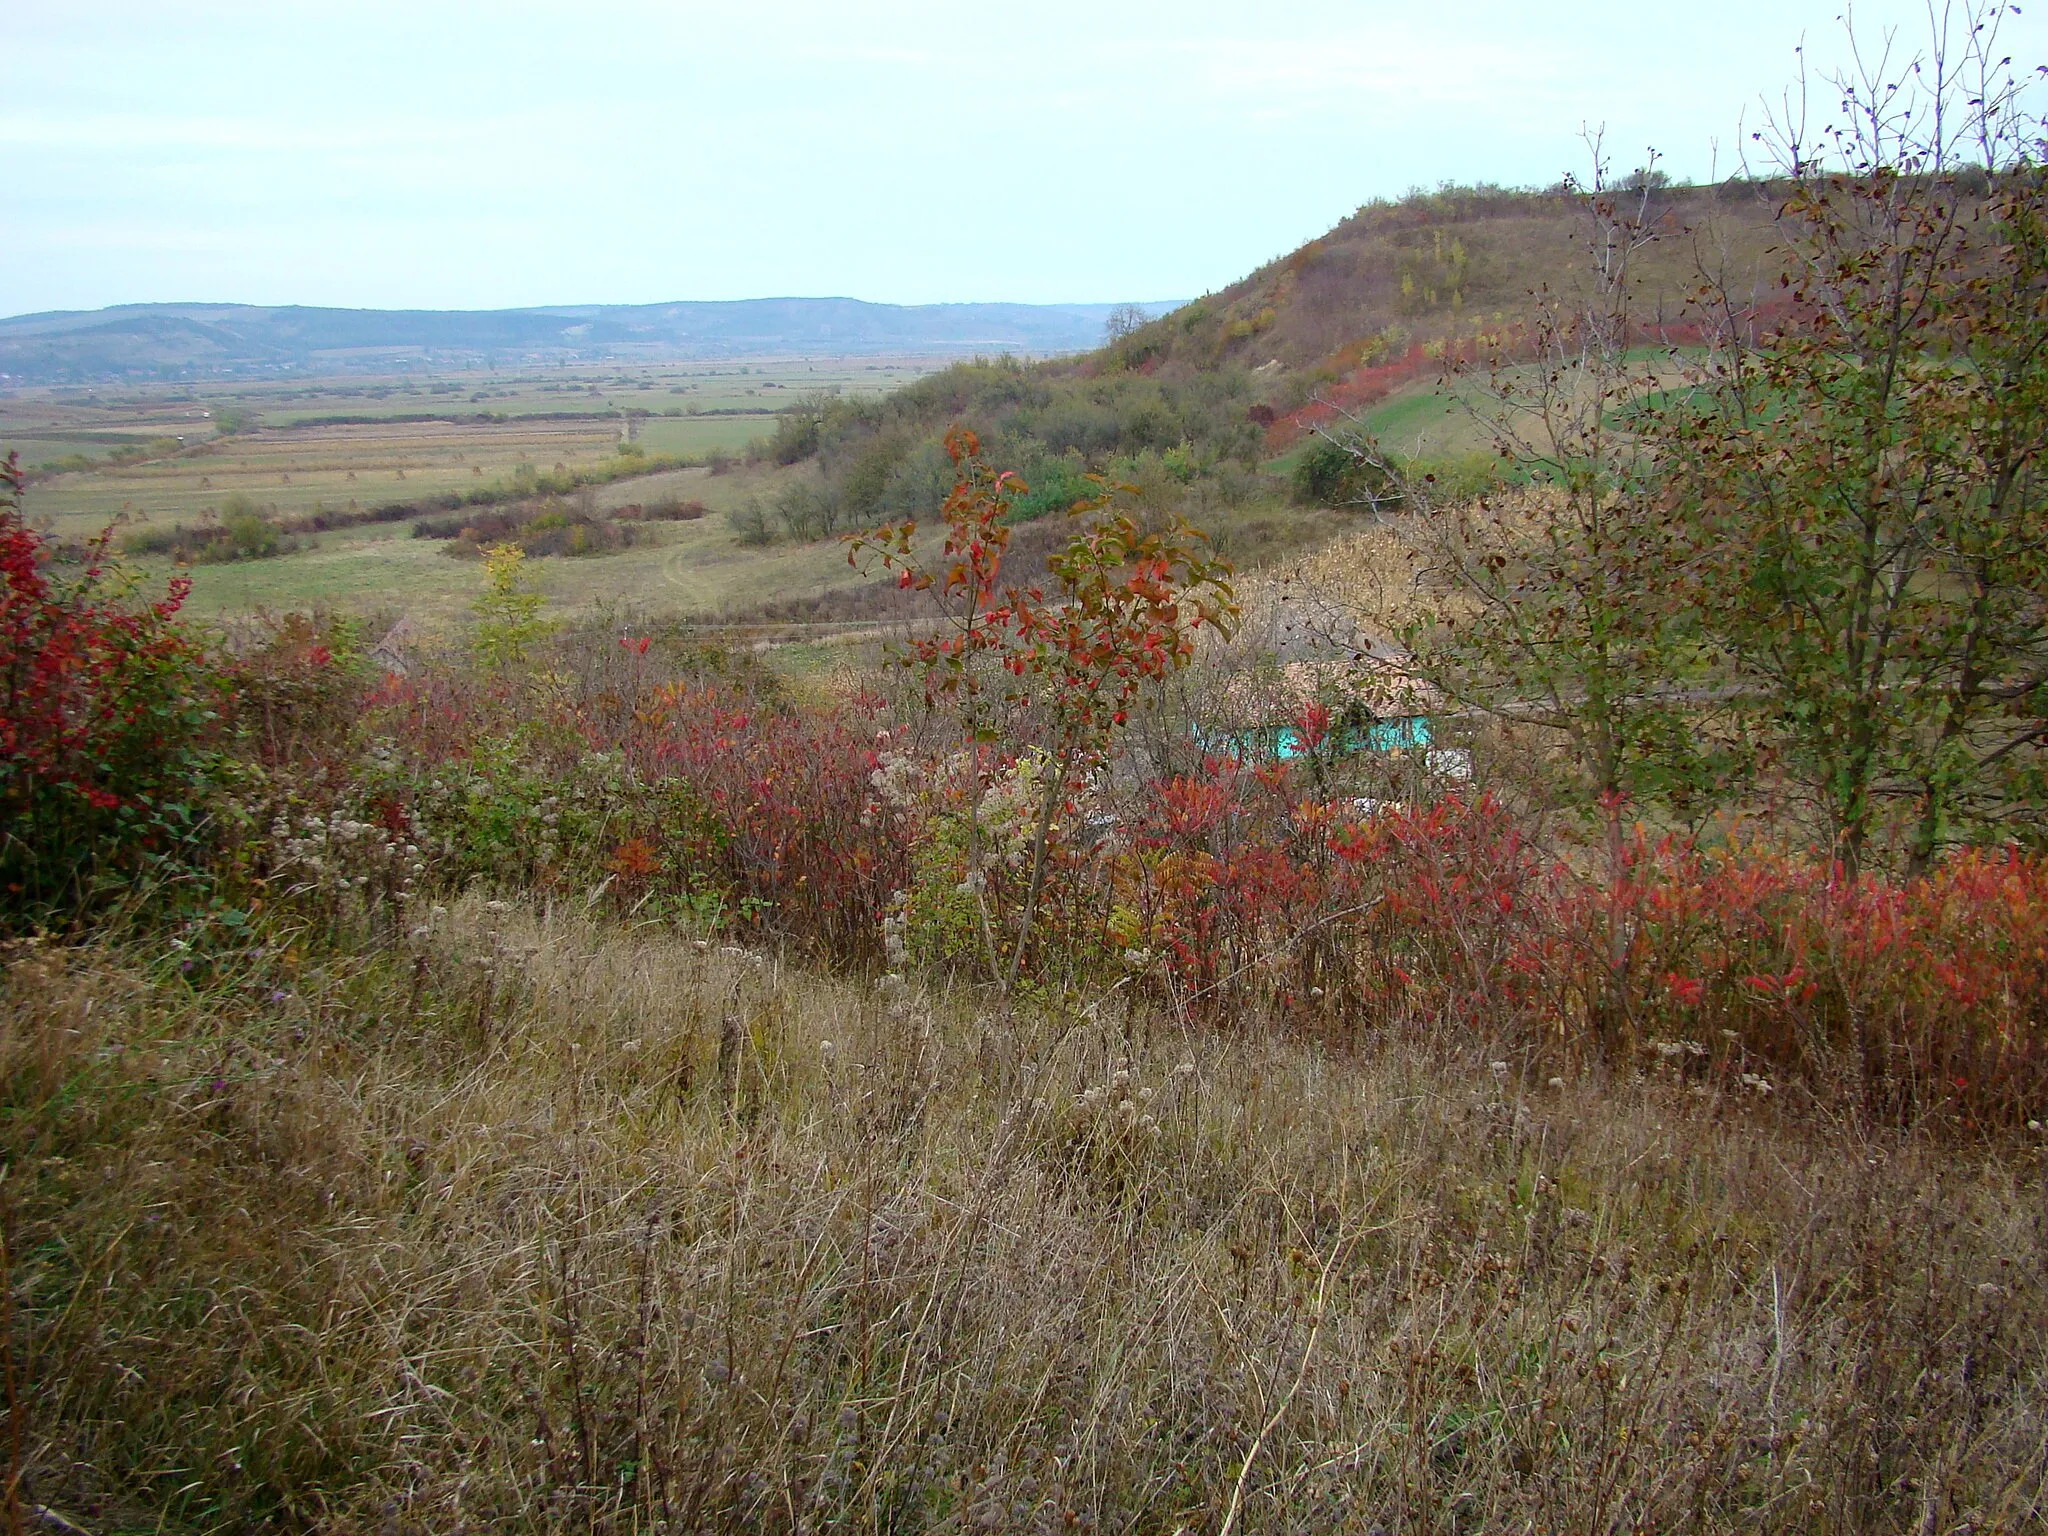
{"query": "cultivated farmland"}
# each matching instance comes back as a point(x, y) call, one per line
point(338, 450)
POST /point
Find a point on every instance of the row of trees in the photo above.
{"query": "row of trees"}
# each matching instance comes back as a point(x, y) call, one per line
point(1807, 550)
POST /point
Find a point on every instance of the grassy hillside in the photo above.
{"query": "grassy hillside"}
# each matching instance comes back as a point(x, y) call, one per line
point(1437, 267)
point(1202, 409)
point(1216, 393)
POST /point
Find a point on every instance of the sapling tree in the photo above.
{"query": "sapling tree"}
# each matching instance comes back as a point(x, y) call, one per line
point(1121, 613)
point(1123, 321)
point(1562, 601)
point(1863, 484)
point(508, 611)
point(1128, 602)
point(957, 658)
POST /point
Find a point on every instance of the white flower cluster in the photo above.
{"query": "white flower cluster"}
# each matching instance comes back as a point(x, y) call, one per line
point(896, 931)
point(1671, 1050)
point(1010, 806)
point(908, 1009)
point(424, 930)
point(338, 853)
point(549, 843)
point(898, 781)
point(1117, 1106)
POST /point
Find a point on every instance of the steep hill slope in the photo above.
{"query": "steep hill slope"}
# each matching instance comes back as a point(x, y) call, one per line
point(1384, 296)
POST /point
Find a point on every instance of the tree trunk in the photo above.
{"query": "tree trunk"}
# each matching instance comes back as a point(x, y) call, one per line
point(1047, 808)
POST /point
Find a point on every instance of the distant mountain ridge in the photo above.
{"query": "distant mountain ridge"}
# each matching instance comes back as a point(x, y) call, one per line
point(188, 341)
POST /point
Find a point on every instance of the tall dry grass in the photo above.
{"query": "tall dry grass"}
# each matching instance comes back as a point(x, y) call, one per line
point(548, 1225)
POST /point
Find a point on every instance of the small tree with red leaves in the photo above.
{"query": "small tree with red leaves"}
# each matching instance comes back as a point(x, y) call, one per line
point(106, 758)
point(1125, 604)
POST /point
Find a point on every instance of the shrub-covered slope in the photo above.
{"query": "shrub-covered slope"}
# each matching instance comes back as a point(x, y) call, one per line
point(1214, 390)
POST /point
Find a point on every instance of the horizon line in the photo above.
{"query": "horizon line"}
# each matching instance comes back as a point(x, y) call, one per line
point(531, 309)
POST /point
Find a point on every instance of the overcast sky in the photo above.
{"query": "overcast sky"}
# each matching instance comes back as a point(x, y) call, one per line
point(475, 156)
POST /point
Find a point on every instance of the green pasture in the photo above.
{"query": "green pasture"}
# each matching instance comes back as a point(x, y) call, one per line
point(36, 451)
point(1428, 421)
point(596, 390)
point(1446, 420)
point(696, 568)
point(692, 435)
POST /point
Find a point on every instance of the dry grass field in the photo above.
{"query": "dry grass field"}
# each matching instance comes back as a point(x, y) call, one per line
point(300, 470)
point(302, 459)
point(544, 1224)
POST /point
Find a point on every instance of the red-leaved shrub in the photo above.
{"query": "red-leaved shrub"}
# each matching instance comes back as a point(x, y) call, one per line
point(1759, 971)
point(108, 729)
point(784, 816)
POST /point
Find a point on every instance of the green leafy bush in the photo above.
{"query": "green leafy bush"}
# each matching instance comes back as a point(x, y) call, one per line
point(1329, 474)
point(1055, 485)
point(548, 526)
point(245, 531)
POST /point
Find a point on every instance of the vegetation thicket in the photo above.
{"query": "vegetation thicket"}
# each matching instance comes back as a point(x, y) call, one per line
point(110, 741)
point(1209, 394)
point(1120, 1067)
point(1797, 567)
